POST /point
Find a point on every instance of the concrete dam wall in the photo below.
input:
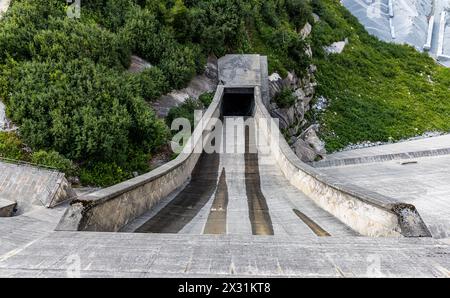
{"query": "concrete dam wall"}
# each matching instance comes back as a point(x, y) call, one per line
point(268, 191)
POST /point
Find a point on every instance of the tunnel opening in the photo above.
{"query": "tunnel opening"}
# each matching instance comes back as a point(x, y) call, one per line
point(238, 102)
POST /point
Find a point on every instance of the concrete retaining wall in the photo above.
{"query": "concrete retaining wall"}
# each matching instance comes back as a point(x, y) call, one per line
point(30, 185)
point(368, 213)
point(110, 209)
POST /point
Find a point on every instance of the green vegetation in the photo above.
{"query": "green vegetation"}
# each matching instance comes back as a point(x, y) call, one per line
point(54, 160)
point(65, 81)
point(185, 110)
point(11, 146)
point(285, 98)
point(206, 98)
point(376, 91)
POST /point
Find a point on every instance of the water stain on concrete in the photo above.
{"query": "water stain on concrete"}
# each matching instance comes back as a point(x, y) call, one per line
point(188, 203)
point(258, 210)
point(217, 219)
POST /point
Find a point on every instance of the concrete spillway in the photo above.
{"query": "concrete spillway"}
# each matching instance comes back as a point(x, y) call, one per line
point(240, 191)
point(249, 208)
point(250, 183)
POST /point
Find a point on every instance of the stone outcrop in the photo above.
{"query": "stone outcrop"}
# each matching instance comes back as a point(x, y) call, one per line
point(337, 47)
point(138, 64)
point(305, 143)
point(206, 82)
point(306, 30)
point(5, 123)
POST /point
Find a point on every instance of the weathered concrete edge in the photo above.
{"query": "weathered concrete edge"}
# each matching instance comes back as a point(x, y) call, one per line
point(367, 212)
point(7, 208)
point(379, 158)
point(110, 209)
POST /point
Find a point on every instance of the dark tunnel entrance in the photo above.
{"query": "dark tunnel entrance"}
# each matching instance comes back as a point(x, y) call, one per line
point(238, 102)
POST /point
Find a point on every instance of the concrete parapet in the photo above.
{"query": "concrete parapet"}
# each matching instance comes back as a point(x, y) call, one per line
point(110, 209)
point(379, 158)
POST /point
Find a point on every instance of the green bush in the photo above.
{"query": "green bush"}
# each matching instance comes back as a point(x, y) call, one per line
point(185, 110)
point(285, 98)
point(103, 174)
point(54, 160)
point(152, 82)
point(147, 37)
point(206, 98)
point(11, 146)
point(67, 39)
point(82, 110)
point(178, 65)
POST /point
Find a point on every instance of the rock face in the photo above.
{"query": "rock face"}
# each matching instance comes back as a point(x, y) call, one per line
point(306, 30)
point(206, 82)
point(305, 143)
point(5, 124)
point(336, 47)
point(138, 64)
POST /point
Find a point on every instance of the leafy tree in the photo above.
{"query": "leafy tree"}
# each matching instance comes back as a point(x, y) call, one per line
point(82, 110)
point(178, 65)
point(152, 82)
point(147, 37)
point(67, 39)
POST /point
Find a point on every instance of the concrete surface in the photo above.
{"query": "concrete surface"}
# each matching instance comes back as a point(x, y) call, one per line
point(31, 186)
point(7, 208)
point(240, 70)
point(77, 254)
point(415, 172)
point(289, 206)
point(113, 208)
point(425, 144)
point(425, 184)
point(193, 210)
point(413, 149)
point(408, 23)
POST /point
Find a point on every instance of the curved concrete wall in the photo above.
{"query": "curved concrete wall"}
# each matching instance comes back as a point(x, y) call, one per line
point(368, 213)
point(112, 208)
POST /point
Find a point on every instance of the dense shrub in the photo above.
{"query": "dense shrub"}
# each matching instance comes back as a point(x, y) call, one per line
point(185, 110)
point(285, 98)
point(178, 65)
point(67, 39)
point(54, 160)
point(82, 110)
point(103, 174)
point(206, 98)
point(152, 83)
point(11, 146)
point(147, 37)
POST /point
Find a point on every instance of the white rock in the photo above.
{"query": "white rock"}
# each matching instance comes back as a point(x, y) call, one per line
point(306, 30)
point(336, 47)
